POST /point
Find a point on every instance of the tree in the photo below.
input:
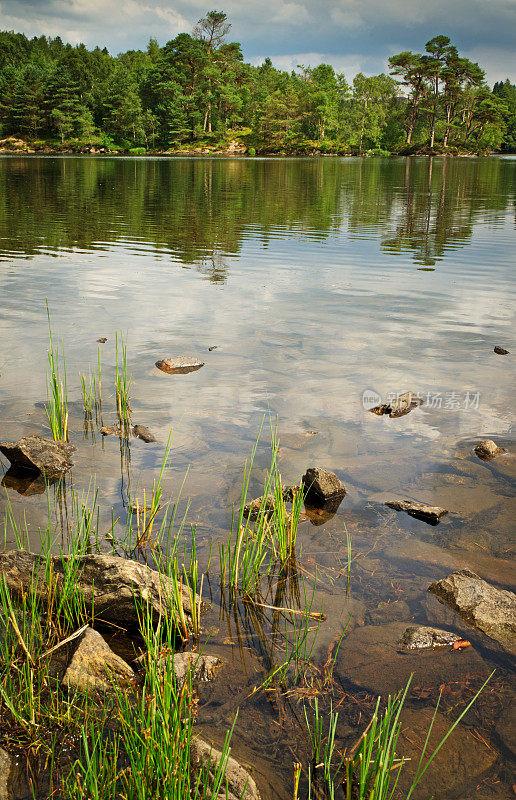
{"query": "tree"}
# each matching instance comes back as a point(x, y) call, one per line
point(411, 70)
point(212, 31)
point(439, 49)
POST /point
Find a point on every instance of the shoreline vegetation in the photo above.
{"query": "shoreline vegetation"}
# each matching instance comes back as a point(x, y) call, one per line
point(91, 724)
point(196, 95)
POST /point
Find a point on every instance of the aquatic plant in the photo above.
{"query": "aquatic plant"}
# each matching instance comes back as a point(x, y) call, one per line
point(57, 408)
point(122, 380)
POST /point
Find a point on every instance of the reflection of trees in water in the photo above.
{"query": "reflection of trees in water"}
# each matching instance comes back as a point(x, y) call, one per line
point(199, 211)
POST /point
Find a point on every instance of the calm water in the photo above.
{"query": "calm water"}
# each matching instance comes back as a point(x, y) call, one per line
point(316, 280)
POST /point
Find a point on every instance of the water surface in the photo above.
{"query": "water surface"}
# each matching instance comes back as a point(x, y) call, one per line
point(317, 281)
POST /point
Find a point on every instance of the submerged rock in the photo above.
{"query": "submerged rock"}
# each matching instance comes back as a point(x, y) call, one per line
point(35, 454)
point(422, 637)
point(501, 351)
point(94, 665)
point(180, 365)
point(429, 514)
point(369, 657)
point(481, 605)
point(505, 728)
point(143, 433)
point(252, 509)
point(401, 405)
point(237, 784)
point(487, 449)
point(102, 340)
point(322, 486)
point(458, 766)
point(111, 585)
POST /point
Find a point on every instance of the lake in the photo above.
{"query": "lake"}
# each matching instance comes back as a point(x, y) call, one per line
point(311, 289)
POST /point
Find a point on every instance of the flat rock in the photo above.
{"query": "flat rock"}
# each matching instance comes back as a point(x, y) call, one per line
point(94, 665)
point(238, 784)
point(109, 430)
point(143, 433)
point(501, 351)
point(481, 605)
point(369, 658)
point(429, 514)
point(458, 766)
point(179, 366)
point(389, 612)
point(487, 449)
point(111, 585)
point(321, 486)
point(403, 404)
point(35, 454)
point(423, 637)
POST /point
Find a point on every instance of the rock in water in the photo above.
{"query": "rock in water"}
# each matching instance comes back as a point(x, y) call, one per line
point(180, 365)
point(93, 665)
point(35, 454)
point(501, 351)
point(201, 667)
point(110, 430)
point(401, 405)
point(487, 449)
point(481, 605)
point(237, 783)
point(321, 486)
point(252, 509)
point(143, 433)
point(422, 637)
point(429, 514)
point(111, 585)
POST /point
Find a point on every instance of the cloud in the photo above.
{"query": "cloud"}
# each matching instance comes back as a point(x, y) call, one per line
point(343, 32)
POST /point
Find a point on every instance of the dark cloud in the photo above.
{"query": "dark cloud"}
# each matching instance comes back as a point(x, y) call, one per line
point(351, 34)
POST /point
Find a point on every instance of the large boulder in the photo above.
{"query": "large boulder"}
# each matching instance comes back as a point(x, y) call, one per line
point(35, 454)
point(322, 486)
point(238, 783)
point(111, 586)
point(370, 658)
point(481, 605)
point(94, 665)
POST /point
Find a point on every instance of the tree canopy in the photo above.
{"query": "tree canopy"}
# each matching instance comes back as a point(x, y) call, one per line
point(197, 88)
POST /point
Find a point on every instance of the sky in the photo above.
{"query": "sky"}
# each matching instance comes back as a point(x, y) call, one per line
point(353, 35)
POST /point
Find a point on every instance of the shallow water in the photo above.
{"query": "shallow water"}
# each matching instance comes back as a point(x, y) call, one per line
point(316, 281)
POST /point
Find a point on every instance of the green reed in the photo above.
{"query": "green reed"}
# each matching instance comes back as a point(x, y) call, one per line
point(372, 769)
point(122, 380)
point(57, 408)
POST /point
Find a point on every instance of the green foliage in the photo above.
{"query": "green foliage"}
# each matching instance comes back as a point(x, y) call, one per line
point(197, 85)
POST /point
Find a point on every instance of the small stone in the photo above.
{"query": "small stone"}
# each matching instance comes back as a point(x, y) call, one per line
point(429, 514)
point(422, 637)
point(237, 783)
point(35, 454)
point(202, 667)
point(108, 430)
point(501, 351)
point(102, 340)
point(213, 347)
point(143, 433)
point(487, 449)
point(252, 509)
point(179, 366)
point(481, 605)
point(94, 664)
point(322, 485)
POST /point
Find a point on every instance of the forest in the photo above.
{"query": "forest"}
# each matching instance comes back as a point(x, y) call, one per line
point(197, 93)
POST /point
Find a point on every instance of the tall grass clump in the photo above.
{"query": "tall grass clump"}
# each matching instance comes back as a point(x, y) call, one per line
point(57, 408)
point(372, 769)
point(122, 380)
